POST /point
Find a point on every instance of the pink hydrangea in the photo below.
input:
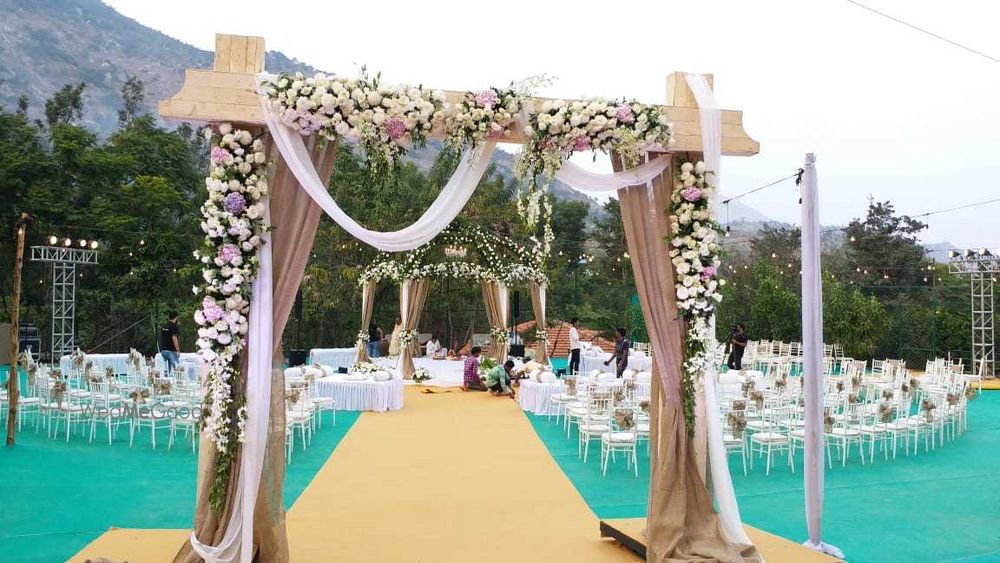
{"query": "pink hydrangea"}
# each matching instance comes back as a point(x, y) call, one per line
point(219, 155)
point(395, 127)
point(708, 273)
point(581, 143)
point(211, 310)
point(691, 194)
point(228, 253)
point(625, 114)
point(486, 99)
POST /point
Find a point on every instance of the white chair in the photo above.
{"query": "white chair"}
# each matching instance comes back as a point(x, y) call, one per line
point(595, 421)
point(771, 441)
point(103, 405)
point(845, 432)
point(621, 437)
point(142, 416)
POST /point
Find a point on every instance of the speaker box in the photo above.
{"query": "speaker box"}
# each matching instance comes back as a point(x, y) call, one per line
point(515, 304)
point(297, 357)
point(517, 350)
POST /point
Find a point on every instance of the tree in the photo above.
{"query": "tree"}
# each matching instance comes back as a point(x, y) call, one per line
point(885, 244)
point(133, 94)
point(65, 106)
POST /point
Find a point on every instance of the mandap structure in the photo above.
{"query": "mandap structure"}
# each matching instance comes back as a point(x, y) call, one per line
point(274, 145)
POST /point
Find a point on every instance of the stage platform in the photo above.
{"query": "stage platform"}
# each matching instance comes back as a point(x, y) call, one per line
point(774, 549)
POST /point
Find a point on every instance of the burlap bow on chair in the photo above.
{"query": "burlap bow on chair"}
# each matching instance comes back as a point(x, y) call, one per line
point(625, 419)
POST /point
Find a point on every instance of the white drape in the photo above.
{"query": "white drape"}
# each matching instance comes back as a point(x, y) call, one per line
point(237, 542)
point(439, 215)
point(584, 180)
point(722, 480)
point(404, 313)
point(812, 361)
point(503, 294)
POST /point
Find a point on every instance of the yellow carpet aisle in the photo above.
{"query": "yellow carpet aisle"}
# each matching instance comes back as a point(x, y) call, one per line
point(451, 477)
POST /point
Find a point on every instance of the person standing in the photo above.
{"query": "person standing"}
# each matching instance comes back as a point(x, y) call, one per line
point(622, 348)
point(470, 373)
point(574, 347)
point(374, 340)
point(738, 342)
point(170, 343)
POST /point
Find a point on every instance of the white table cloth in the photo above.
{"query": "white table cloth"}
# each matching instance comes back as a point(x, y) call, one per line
point(589, 361)
point(333, 357)
point(367, 395)
point(534, 396)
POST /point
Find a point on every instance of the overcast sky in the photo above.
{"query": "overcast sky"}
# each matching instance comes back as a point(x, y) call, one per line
point(888, 111)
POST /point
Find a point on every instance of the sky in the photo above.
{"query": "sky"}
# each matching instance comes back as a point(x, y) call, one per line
point(889, 112)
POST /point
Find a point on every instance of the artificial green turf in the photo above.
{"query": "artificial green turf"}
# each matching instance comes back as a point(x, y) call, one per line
point(56, 497)
point(936, 506)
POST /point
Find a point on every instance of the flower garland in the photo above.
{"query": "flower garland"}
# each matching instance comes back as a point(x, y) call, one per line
point(498, 334)
point(364, 367)
point(694, 251)
point(560, 128)
point(233, 222)
point(384, 119)
point(487, 114)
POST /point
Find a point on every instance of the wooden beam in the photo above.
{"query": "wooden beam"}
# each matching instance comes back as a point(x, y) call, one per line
point(228, 93)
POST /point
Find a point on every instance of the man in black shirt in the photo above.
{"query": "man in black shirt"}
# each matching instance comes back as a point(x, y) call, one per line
point(738, 342)
point(170, 344)
point(622, 347)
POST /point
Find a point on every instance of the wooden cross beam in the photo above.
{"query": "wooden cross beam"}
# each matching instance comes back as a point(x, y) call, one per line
point(228, 93)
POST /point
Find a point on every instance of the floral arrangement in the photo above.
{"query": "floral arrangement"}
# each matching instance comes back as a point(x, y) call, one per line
point(162, 387)
point(952, 398)
point(828, 421)
point(618, 395)
point(971, 394)
point(500, 259)
point(487, 114)
point(363, 337)
point(421, 374)
point(383, 118)
point(499, 335)
point(758, 399)
point(644, 406)
point(139, 395)
point(737, 421)
point(135, 359)
point(560, 128)
point(292, 395)
point(58, 391)
point(109, 372)
point(94, 377)
point(571, 386)
point(364, 367)
point(540, 334)
point(887, 394)
point(885, 412)
point(78, 358)
point(625, 419)
point(233, 223)
point(694, 251)
point(852, 398)
point(746, 387)
point(840, 386)
point(739, 405)
point(928, 407)
point(407, 337)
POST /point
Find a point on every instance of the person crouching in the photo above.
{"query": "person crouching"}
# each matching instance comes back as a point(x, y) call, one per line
point(498, 380)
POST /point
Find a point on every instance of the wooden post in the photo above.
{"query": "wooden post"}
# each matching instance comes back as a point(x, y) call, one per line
point(13, 397)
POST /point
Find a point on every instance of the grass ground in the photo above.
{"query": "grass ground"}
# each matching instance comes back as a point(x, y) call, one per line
point(937, 506)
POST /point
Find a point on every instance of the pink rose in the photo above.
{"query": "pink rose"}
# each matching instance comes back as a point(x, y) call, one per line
point(691, 194)
point(581, 143)
point(708, 273)
point(486, 99)
point(395, 127)
point(624, 114)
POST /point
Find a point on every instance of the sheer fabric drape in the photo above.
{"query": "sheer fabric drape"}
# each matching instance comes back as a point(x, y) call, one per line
point(413, 293)
point(367, 308)
point(538, 307)
point(495, 300)
point(681, 523)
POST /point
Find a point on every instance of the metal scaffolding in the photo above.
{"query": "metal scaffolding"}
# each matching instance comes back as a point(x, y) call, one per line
point(64, 261)
point(981, 266)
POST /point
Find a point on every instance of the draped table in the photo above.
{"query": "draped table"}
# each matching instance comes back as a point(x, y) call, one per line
point(534, 396)
point(364, 395)
point(333, 357)
point(189, 361)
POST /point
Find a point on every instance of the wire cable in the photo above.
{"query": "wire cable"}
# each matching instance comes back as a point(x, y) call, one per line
point(925, 31)
point(755, 190)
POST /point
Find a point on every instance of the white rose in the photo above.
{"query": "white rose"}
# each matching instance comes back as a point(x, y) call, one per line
point(699, 168)
point(687, 167)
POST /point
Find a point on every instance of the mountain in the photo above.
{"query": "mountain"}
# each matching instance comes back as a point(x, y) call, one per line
point(45, 44)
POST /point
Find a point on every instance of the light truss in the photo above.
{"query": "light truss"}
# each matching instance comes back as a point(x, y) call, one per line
point(981, 266)
point(64, 261)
